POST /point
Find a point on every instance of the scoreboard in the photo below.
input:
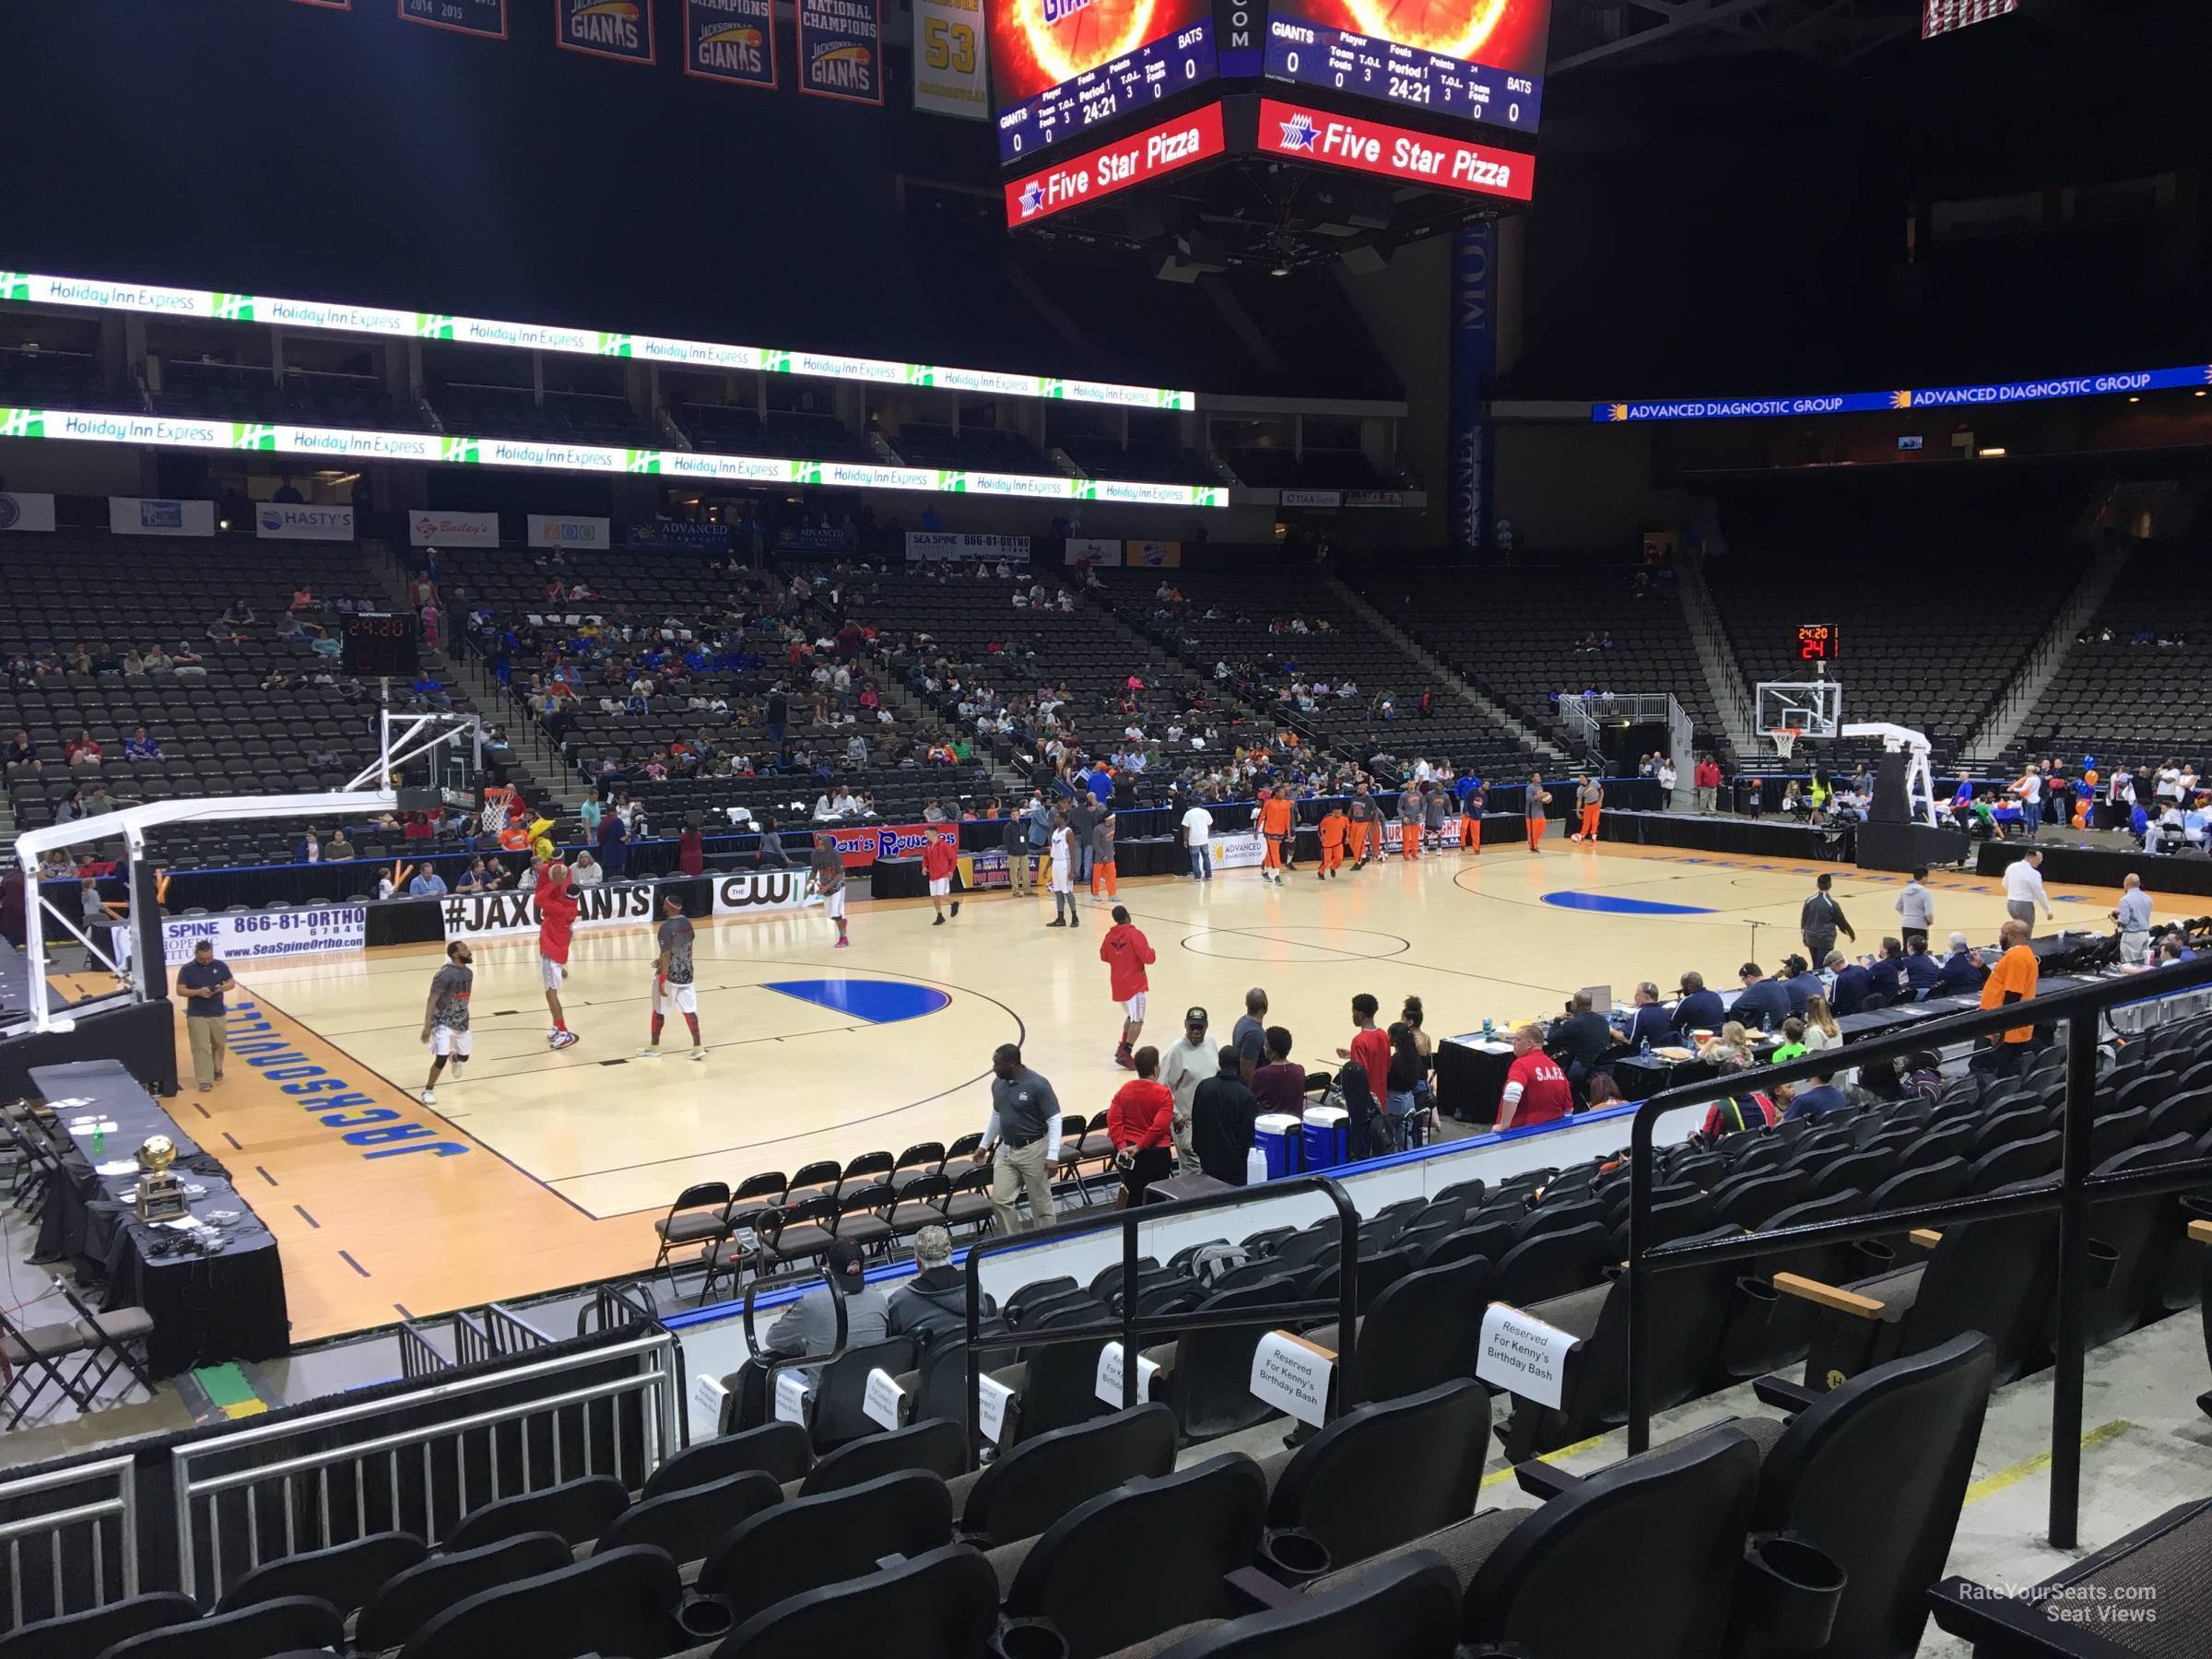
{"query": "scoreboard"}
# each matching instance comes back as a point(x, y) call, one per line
point(1061, 67)
point(1471, 60)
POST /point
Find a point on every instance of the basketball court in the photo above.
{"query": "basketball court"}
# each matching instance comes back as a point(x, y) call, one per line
point(541, 1170)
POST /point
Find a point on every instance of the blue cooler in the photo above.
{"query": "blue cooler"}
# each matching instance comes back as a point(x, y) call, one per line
point(1275, 1136)
point(1327, 1138)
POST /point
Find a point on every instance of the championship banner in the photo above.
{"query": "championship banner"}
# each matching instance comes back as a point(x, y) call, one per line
point(140, 515)
point(756, 892)
point(949, 59)
point(265, 934)
point(841, 49)
point(615, 29)
point(494, 916)
point(303, 521)
point(485, 19)
point(453, 530)
point(731, 40)
point(586, 534)
point(26, 512)
point(1153, 554)
point(946, 546)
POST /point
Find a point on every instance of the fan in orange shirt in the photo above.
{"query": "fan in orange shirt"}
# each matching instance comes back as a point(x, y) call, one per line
point(2012, 980)
point(1274, 830)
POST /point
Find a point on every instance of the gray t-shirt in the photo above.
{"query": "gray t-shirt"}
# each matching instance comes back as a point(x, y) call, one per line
point(1589, 794)
point(677, 935)
point(1250, 1038)
point(450, 988)
point(829, 870)
point(1101, 840)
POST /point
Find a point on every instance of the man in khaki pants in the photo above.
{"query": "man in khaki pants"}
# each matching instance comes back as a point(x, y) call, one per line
point(202, 983)
point(1022, 1140)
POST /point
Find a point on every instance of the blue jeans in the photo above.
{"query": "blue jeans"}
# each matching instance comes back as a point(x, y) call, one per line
point(1201, 863)
point(1083, 862)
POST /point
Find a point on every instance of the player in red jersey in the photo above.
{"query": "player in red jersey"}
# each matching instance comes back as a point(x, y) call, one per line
point(557, 917)
point(940, 858)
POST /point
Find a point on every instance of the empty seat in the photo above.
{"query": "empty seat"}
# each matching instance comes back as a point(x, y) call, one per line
point(619, 1603)
point(289, 1624)
point(75, 1635)
point(778, 1450)
point(1024, 1491)
point(688, 1522)
point(943, 1603)
point(1407, 1609)
point(578, 1511)
point(935, 1445)
point(345, 1575)
point(810, 1542)
point(414, 1597)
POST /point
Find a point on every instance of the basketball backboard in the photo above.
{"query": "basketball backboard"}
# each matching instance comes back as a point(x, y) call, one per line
point(1787, 712)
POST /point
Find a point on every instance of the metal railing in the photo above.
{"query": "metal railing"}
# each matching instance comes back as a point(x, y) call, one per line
point(499, 1333)
point(2073, 1195)
point(419, 1461)
point(1131, 1328)
point(419, 1356)
point(70, 1529)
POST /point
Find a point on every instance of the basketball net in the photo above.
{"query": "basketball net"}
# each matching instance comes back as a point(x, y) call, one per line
point(1785, 740)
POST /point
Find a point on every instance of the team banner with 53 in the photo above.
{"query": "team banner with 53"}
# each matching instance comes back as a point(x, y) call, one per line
point(949, 59)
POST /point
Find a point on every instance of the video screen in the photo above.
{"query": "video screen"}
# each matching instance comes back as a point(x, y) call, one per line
point(1060, 67)
point(1478, 60)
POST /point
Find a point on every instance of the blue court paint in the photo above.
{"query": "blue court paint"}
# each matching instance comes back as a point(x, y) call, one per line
point(1613, 904)
point(880, 1001)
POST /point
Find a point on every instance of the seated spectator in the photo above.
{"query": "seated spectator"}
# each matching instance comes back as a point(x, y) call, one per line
point(80, 750)
point(139, 747)
point(1851, 982)
point(1698, 1009)
point(1791, 1046)
point(337, 847)
point(1960, 969)
point(309, 850)
point(1763, 1001)
point(586, 871)
point(1730, 1045)
point(1922, 972)
point(22, 752)
point(1886, 972)
point(809, 1324)
point(931, 1306)
point(428, 884)
point(1801, 983)
point(1823, 1097)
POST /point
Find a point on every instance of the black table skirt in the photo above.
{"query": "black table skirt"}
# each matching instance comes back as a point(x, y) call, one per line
point(1469, 1082)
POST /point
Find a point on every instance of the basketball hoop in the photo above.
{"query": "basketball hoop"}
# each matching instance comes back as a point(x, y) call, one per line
point(1785, 739)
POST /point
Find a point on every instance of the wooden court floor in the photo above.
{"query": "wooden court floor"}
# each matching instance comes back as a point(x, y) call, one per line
point(541, 1170)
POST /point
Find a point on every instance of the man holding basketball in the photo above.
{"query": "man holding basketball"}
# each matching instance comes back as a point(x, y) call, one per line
point(555, 897)
point(827, 877)
point(1538, 798)
point(673, 991)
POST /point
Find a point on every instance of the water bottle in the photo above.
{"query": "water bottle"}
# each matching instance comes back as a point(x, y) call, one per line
point(99, 1139)
point(1644, 1048)
point(1486, 1028)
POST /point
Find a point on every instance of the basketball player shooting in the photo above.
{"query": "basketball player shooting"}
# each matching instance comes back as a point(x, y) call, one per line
point(556, 900)
point(672, 990)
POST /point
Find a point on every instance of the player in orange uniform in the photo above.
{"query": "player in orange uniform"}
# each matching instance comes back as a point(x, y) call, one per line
point(1538, 798)
point(1333, 826)
point(1275, 829)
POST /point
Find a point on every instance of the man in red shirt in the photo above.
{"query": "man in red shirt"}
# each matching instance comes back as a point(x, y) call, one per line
point(556, 916)
point(1371, 1044)
point(1126, 953)
point(1535, 1088)
point(940, 853)
point(1708, 779)
point(1140, 1122)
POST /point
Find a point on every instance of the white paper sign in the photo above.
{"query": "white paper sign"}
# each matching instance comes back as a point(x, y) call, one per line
point(1523, 1356)
point(1292, 1375)
point(991, 1398)
point(884, 1402)
point(1110, 1376)
point(707, 1396)
point(792, 1395)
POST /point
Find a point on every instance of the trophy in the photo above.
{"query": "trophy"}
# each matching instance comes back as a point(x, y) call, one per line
point(160, 1194)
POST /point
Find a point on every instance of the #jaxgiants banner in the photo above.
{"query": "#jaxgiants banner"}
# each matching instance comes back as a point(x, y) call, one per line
point(616, 28)
point(26, 512)
point(731, 40)
point(949, 59)
point(588, 533)
point(841, 49)
point(492, 916)
point(264, 934)
point(303, 521)
point(1941, 17)
point(756, 892)
point(487, 18)
point(453, 530)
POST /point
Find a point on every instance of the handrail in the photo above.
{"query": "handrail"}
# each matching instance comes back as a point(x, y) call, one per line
point(1133, 1325)
point(2072, 1194)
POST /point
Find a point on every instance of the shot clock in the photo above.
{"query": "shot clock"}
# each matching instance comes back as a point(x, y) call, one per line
point(1817, 642)
point(379, 642)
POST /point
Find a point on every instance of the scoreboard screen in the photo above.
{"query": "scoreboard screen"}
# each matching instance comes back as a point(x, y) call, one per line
point(1060, 67)
point(1476, 60)
point(1819, 642)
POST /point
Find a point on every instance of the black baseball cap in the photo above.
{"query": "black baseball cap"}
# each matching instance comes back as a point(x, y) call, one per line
point(1194, 1017)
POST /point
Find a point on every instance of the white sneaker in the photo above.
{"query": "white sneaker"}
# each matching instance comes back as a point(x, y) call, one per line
point(455, 1066)
point(562, 1039)
point(649, 1054)
point(698, 1053)
point(428, 1097)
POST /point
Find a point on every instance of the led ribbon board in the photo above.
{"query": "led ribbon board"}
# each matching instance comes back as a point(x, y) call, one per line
point(2128, 382)
point(339, 443)
point(28, 288)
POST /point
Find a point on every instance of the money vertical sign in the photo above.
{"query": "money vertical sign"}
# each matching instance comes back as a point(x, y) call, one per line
point(1474, 361)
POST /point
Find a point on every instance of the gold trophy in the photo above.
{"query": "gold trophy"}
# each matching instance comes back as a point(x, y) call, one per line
point(160, 1194)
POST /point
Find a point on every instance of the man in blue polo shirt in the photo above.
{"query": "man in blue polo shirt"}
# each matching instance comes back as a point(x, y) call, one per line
point(428, 884)
point(1822, 1097)
point(1959, 970)
point(1762, 1004)
point(1853, 984)
point(1700, 1009)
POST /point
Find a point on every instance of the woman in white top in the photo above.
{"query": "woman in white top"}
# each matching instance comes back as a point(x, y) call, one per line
point(1063, 882)
point(1820, 1032)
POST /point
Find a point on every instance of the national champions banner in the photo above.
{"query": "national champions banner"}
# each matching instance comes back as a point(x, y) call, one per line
point(260, 935)
point(494, 916)
point(426, 529)
point(758, 892)
point(150, 515)
point(731, 40)
point(584, 535)
point(1474, 363)
point(303, 521)
point(484, 19)
point(949, 59)
point(20, 512)
point(613, 28)
point(949, 547)
point(841, 49)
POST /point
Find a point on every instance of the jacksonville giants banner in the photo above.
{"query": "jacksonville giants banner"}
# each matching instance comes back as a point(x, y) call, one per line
point(1474, 361)
point(20, 512)
point(492, 916)
point(731, 40)
point(616, 28)
point(949, 59)
point(841, 49)
point(484, 17)
point(757, 892)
